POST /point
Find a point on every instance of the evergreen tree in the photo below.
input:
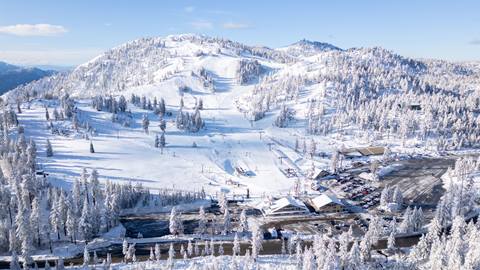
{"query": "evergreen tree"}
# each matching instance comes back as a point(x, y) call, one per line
point(171, 255)
point(47, 115)
point(35, 221)
point(227, 223)
point(189, 248)
point(157, 141)
point(256, 241)
point(14, 264)
point(152, 255)
point(202, 221)
point(125, 249)
point(236, 246)
point(92, 150)
point(145, 123)
point(49, 150)
point(175, 223)
point(85, 223)
point(86, 257)
point(243, 221)
point(162, 141)
point(72, 225)
point(158, 253)
point(391, 242)
point(354, 257)
point(161, 107)
point(163, 124)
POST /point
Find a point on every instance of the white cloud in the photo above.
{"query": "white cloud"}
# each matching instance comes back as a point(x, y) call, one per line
point(189, 9)
point(49, 57)
point(25, 30)
point(232, 25)
point(202, 25)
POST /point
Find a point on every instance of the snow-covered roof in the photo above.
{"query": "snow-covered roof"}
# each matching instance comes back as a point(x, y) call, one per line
point(319, 174)
point(285, 201)
point(366, 176)
point(278, 207)
point(325, 199)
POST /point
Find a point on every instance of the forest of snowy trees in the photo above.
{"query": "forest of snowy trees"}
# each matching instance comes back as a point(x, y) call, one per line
point(37, 215)
point(248, 71)
point(382, 93)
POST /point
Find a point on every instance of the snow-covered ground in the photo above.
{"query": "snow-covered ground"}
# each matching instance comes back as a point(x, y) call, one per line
point(128, 154)
point(161, 67)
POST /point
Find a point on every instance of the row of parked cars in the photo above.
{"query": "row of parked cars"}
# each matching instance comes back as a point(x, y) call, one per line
point(361, 193)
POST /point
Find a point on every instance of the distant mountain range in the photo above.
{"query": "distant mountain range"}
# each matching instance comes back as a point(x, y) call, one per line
point(12, 76)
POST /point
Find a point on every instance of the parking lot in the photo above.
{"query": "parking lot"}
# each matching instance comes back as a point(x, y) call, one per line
point(358, 191)
point(420, 180)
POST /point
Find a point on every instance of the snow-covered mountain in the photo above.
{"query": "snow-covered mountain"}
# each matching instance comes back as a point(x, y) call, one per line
point(11, 76)
point(264, 109)
point(308, 48)
point(178, 59)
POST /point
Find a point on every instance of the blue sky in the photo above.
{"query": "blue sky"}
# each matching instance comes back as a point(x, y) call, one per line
point(72, 32)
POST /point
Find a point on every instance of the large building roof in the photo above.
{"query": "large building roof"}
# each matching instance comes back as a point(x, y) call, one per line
point(325, 199)
point(285, 201)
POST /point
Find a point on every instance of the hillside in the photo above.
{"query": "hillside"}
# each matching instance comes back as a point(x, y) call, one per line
point(266, 111)
point(12, 76)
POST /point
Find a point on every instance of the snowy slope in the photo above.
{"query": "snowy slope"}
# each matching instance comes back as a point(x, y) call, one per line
point(162, 67)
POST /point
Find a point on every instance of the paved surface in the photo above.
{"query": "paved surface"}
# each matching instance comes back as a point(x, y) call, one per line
point(419, 180)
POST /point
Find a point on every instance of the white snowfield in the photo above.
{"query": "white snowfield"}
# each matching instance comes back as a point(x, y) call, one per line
point(128, 154)
point(230, 142)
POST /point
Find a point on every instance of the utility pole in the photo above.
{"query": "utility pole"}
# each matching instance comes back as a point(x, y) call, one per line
point(270, 145)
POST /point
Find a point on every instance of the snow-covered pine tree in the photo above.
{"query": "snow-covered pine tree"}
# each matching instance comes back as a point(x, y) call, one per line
point(86, 257)
point(243, 226)
point(391, 242)
point(35, 221)
point(158, 253)
point(202, 221)
point(189, 248)
point(227, 223)
point(256, 241)
point(71, 225)
point(236, 246)
point(14, 264)
point(151, 258)
point(171, 256)
point(85, 224)
point(175, 222)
